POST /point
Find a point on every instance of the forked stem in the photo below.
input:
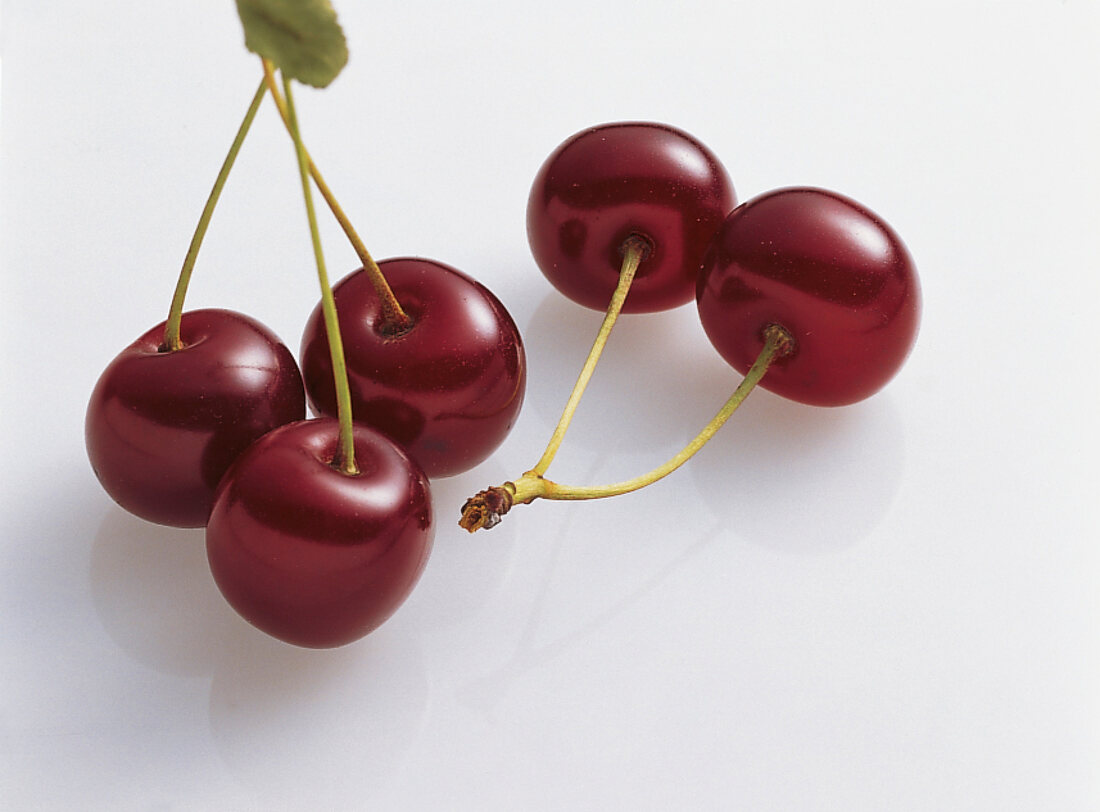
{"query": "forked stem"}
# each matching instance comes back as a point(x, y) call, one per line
point(172, 340)
point(395, 320)
point(486, 508)
point(635, 248)
point(345, 456)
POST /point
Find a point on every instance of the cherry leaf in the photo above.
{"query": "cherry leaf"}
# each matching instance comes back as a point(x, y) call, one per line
point(301, 37)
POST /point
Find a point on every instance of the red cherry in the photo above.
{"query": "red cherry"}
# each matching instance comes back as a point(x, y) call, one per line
point(309, 554)
point(606, 183)
point(447, 389)
point(827, 270)
point(163, 427)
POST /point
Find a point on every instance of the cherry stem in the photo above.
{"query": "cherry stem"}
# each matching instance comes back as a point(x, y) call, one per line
point(394, 318)
point(345, 456)
point(175, 311)
point(635, 248)
point(486, 508)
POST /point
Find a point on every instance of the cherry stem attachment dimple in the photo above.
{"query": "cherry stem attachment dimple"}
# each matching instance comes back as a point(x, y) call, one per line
point(345, 456)
point(394, 319)
point(634, 249)
point(172, 341)
point(486, 508)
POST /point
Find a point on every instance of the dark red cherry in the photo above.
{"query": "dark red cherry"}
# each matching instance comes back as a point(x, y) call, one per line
point(163, 427)
point(311, 555)
point(606, 183)
point(829, 271)
point(448, 389)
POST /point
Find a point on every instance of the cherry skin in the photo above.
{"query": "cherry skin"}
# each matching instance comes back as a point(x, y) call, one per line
point(827, 270)
point(162, 427)
point(309, 554)
point(448, 389)
point(606, 183)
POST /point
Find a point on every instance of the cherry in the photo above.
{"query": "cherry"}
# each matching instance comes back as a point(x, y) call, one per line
point(310, 554)
point(607, 183)
point(163, 426)
point(804, 291)
point(448, 387)
point(829, 272)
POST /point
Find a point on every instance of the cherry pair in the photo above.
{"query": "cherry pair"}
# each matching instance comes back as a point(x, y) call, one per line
point(802, 290)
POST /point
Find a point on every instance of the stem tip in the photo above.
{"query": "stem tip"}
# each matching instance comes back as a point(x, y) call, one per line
point(781, 337)
point(485, 509)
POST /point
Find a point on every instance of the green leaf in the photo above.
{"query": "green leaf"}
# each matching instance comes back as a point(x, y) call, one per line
point(301, 37)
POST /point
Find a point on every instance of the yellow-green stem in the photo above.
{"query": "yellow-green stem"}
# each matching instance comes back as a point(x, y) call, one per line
point(485, 509)
point(345, 458)
point(395, 320)
point(635, 249)
point(175, 311)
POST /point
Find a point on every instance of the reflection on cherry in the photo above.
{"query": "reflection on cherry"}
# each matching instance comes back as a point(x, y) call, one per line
point(828, 271)
point(312, 555)
point(608, 183)
point(448, 388)
point(162, 427)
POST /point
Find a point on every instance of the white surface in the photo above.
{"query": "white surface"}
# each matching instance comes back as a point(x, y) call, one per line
point(890, 606)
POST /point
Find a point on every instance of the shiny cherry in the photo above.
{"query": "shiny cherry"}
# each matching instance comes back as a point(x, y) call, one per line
point(830, 272)
point(309, 554)
point(606, 183)
point(162, 427)
point(448, 388)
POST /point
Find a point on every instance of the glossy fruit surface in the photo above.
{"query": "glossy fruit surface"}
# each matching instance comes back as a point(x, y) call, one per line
point(448, 389)
point(829, 271)
point(608, 182)
point(313, 556)
point(162, 427)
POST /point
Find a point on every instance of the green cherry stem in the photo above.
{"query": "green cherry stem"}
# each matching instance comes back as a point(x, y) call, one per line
point(486, 508)
point(634, 249)
point(345, 458)
point(395, 320)
point(175, 312)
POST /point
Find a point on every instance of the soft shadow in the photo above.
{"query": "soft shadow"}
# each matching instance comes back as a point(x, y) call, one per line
point(345, 716)
point(486, 691)
point(301, 728)
point(465, 571)
point(152, 589)
point(800, 479)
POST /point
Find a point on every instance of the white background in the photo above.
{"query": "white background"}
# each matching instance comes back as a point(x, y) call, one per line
point(890, 606)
